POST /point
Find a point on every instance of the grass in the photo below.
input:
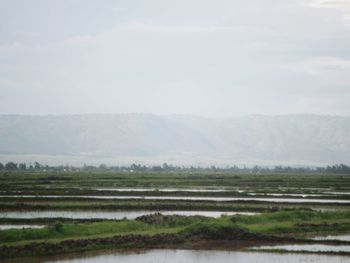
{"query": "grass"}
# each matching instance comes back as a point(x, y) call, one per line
point(293, 216)
point(171, 179)
point(269, 223)
point(59, 231)
point(99, 205)
point(283, 222)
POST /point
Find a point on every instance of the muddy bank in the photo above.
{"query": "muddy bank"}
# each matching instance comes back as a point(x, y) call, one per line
point(307, 227)
point(183, 198)
point(143, 205)
point(129, 241)
point(194, 234)
point(165, 193)
point(232, 239)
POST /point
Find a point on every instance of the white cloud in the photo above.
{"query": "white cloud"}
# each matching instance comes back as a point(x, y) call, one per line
point(342, 6)
point(162, 28)
point(320, 65)
point(228, 58)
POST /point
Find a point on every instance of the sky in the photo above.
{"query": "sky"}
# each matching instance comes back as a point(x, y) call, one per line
point(209, 58)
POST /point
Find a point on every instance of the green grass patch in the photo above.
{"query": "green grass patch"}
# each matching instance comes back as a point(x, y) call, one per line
point(295, 221)
point(59, 230)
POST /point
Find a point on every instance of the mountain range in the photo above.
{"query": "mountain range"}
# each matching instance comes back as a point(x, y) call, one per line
point(292, 139)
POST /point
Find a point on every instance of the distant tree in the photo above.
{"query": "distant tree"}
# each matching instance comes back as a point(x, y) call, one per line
point(102, 166)
point(256, 169)
point(22, 166)
point(165, 166)
point(338, 168)
point(2, 166)
point(10, 166)
point(135, 167)
point(157, 168)
point(37, 166)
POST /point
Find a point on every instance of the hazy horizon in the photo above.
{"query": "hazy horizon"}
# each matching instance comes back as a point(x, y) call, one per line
point(176, 114)
point(180, 139)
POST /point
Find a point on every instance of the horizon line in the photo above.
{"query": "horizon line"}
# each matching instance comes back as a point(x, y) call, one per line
point(173, 114)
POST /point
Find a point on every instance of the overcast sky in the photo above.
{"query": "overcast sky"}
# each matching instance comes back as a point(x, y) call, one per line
point(209, 58)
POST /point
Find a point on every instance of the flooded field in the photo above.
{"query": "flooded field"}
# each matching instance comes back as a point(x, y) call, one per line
point(301, 192)
point(338, 193)
point(286, 194)
point(218, 190)
point(308, 247)
point(84, 210)
point(5, 227)
point(192, 256)
point(333, 237)
point(194, 190)
point(193, 198)
point(109, 214)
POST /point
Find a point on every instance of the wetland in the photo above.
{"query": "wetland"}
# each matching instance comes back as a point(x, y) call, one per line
point(45, 214)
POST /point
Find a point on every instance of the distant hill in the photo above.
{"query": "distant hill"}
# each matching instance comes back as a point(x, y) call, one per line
point(261, 139)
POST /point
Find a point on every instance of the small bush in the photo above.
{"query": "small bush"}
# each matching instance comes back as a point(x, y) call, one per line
point(57, 227)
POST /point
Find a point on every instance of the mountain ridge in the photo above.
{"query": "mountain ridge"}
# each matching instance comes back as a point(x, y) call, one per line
point(305, 138)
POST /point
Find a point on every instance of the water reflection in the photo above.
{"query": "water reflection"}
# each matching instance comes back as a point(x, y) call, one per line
point(7, 226)
point(203, 190)
point(309, 248)
point(193, 198)
point(333, 237)
point(194, 256)
point(164, 189)
point(109, 214)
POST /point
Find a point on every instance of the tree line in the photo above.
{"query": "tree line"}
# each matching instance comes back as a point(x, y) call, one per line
point(36, 166)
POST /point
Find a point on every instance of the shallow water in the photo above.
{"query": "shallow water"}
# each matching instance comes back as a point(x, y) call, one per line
point(193, 256)
point(260, 199)
point(337, 193)
point(310, 248)
point(286, 194)
point(202, 190)
point(164, 189)
point(333, 237)
point(109, 214)
point(5, 227)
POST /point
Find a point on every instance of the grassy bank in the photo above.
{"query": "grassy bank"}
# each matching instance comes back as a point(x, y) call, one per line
point(298, 221)
point(46, 204)
point(247, 193)
point(265, 227)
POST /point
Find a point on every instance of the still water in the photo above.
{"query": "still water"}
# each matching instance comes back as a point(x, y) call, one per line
point(7, 226)
point(199, 190)
point(193, 198)
point(192, 256)
point(333, 237)
point(309, 248)
point(194, 190)
point(109, 214)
